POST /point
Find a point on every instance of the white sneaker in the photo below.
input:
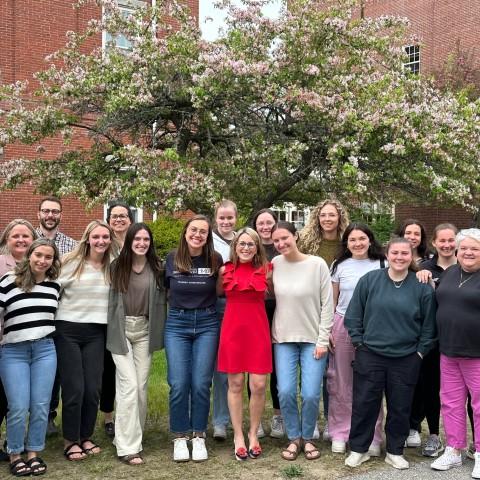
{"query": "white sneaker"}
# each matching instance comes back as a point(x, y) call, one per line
point(326, 436)
point(355, 459)
point(180, 450)
point(199, 450)
point(339, 446)
point(277, 429)
point(219, 432)
point(397, 461)
point(374, 450)
point(448, 460)
point(476, 468)
point(260, 431)
point(413, 439)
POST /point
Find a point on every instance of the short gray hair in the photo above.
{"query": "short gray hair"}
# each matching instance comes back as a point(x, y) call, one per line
point(473, 233)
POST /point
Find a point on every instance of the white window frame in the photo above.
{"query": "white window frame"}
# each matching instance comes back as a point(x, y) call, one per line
point(413, 54)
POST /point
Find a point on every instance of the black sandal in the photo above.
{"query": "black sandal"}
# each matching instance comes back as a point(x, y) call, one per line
point(19, 468)
point(90, 450)
point(69, 454)
point(128, 459)
point(37, 466)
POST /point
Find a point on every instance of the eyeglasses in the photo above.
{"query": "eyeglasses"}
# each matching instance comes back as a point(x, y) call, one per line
point(196, 231)
point(249, 245)
point(120, 216)
point(47, 211)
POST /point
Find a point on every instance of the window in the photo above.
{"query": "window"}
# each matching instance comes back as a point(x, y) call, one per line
point(413, 55)
point(127, 8)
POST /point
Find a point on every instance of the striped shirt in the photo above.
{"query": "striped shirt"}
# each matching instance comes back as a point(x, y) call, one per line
point(27, 315)
point(84, 299)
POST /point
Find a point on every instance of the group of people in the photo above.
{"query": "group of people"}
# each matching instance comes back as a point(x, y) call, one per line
point(329, 306)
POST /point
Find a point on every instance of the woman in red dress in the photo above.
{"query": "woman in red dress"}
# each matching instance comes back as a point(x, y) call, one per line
point(245, 345)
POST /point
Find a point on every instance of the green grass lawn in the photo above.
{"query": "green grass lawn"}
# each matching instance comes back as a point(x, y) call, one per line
point(221, 464)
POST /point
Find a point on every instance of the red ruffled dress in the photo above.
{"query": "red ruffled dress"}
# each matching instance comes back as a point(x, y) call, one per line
point(245, 344)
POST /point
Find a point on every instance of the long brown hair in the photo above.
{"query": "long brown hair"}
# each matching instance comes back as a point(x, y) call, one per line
point(122, 266)
point(183, 260)
point(82, 251)
point(24, 277)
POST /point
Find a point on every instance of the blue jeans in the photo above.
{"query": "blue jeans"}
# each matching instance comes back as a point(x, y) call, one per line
point(221, 415)
point(191, 342)
point(28, 372)
point(288, 357)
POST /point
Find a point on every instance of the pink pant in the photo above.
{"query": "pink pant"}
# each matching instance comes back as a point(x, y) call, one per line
point(457, 377)
point(340, 385)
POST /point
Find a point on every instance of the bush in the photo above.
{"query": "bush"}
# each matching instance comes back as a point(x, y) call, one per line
point(382, 224)
point(166, 234)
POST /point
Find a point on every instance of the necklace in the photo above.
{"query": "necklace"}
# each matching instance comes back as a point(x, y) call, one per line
point(398, 284)
point(464, 281)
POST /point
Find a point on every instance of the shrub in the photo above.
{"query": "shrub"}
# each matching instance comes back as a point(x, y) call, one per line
point(166, 234)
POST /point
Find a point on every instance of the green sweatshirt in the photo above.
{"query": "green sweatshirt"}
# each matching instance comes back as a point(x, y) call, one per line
point(391, 321)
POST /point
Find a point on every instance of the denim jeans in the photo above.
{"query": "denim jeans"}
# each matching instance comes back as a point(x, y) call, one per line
point(221, 415)
point(191, 342)
point(288, 357)
point(28, 372)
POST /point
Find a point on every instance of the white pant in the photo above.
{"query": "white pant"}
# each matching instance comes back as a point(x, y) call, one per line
point(131, 382)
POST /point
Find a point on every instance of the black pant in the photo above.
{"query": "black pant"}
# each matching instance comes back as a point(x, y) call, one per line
point(374, 374)
point(270, 309)
point(80, 348)
point(426, 401)
point(3, 404)
point(55, 400)
point(107, 395)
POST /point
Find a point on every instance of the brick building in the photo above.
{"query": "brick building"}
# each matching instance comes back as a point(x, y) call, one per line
point(30, 30)
point(443, 27)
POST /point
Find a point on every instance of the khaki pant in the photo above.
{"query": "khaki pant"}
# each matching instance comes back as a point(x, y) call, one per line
point(131, 382)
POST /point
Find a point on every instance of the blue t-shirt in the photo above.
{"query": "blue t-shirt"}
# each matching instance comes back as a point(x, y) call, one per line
point(197, 289)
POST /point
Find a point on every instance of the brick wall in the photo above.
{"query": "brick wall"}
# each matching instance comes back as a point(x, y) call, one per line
point(29, 31)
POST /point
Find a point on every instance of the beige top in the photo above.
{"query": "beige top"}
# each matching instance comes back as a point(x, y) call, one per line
point(303, 291)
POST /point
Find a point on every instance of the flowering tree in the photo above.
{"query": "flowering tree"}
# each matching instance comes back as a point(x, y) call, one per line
point(312, 103)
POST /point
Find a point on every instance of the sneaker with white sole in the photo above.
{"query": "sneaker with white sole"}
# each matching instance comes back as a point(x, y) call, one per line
point(180, 450)
point(397, 461)
point(277, 428)
point(339, 446)
point(260, 431)
point(432, 446)
point(470, 452)
point(476, 468)
point(448, 460)
point(219, 432)
point(325, 435)
point(413, 439)
point(355, 459)
point(199, 449)
point(374, 450)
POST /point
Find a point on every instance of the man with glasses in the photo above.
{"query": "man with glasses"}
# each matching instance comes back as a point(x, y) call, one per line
point(50, 214)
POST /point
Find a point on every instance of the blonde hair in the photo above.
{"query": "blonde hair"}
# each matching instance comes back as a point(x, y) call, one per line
point(312, 234)
point(24, 277)
point(82, 251)
point(260, 257)
point(6, 233)
point(225, 204)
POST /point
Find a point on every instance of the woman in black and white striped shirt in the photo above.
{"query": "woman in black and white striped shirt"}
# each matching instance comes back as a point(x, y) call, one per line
point(28, 301)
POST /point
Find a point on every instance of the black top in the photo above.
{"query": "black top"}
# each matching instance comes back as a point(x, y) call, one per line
point(196, 289)
point(392, 321)
point(270, 250)
point(458, 313)
point(432, 266)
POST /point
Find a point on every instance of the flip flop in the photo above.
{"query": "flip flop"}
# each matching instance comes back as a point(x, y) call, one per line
point(313, 453)
point(291, 455)
point(69, 454)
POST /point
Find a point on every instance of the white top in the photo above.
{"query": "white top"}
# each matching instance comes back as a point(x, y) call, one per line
point(221, 246)
point(303, 291)
point(347, 274)
point(84, 299)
